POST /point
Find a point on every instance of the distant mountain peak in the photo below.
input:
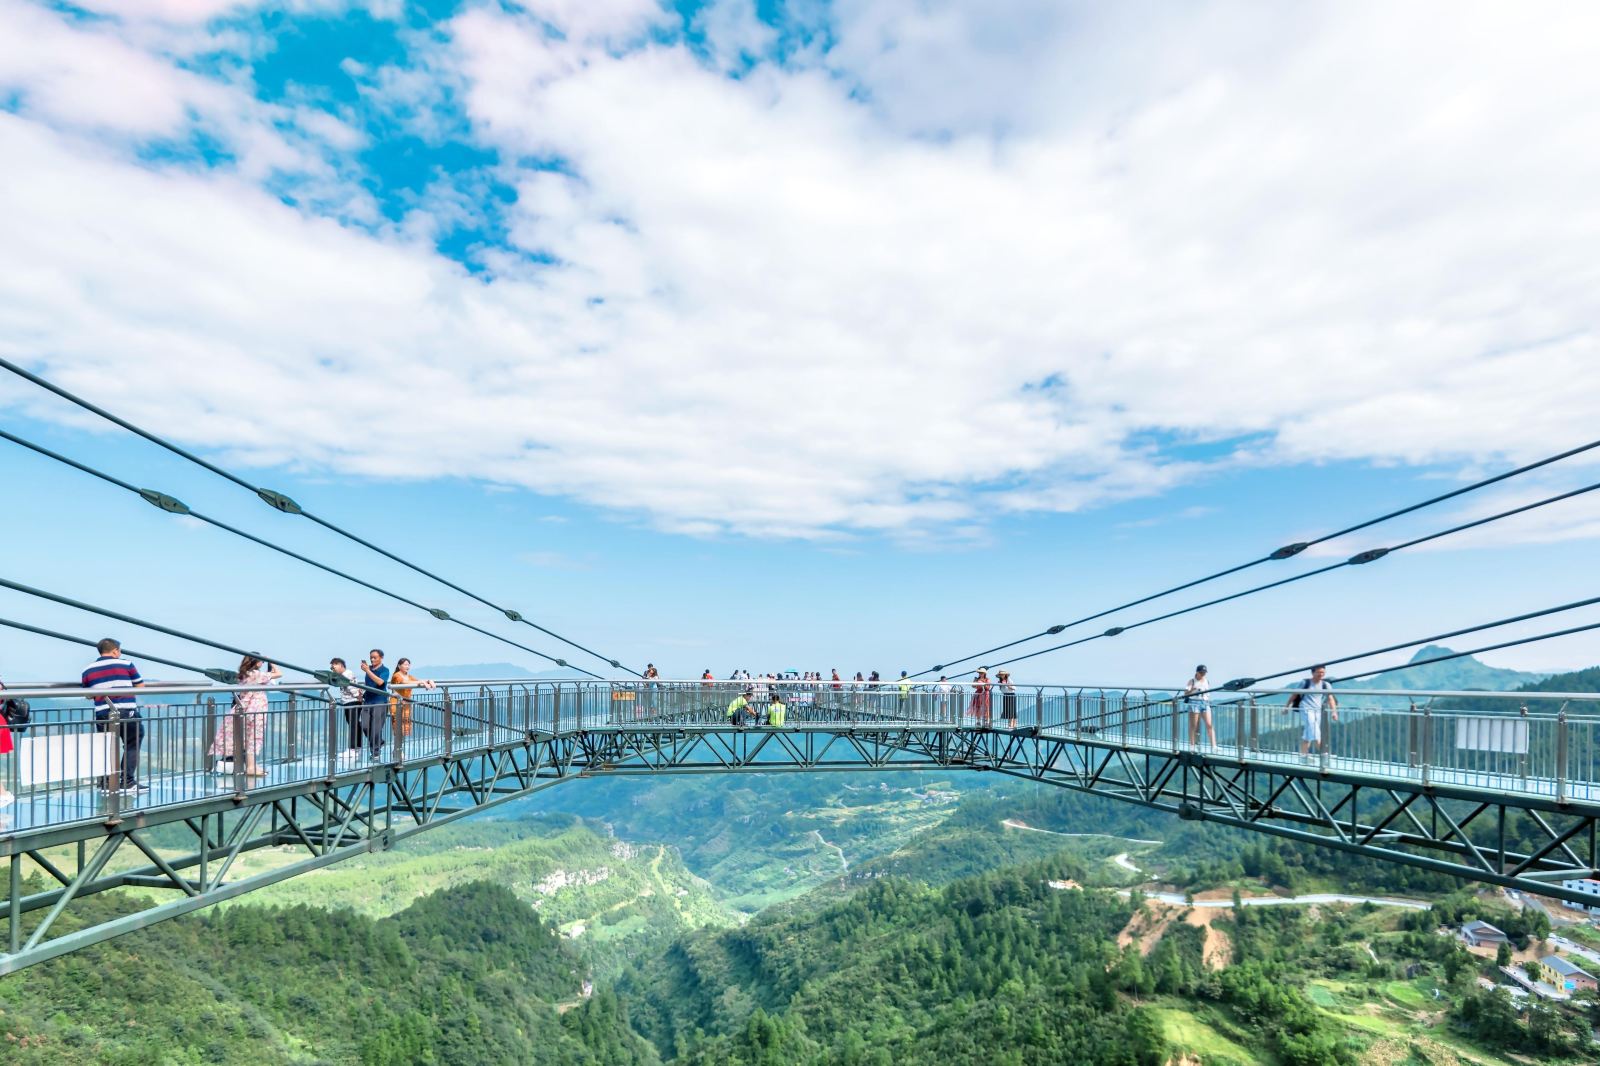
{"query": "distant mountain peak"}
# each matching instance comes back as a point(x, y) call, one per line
point(1466, 673)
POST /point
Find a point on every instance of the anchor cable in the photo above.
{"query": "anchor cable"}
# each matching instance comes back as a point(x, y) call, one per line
point(281, 502)
point(1359, 559)
point(70, 639)
point(1241, 683)
point(226, 677)
point(1288, 551)
point(178, 507)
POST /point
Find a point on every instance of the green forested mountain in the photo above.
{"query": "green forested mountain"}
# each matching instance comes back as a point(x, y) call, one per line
point(907, 958)
point(1001, 968)
point(466, 975)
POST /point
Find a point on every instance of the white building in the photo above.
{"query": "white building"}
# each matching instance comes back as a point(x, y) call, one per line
point(1588, 886)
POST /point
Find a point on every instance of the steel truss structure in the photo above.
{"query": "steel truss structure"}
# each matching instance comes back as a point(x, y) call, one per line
point(178, 856)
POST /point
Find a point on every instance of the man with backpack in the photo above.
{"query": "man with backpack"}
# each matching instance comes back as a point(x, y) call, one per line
point(1309, 702)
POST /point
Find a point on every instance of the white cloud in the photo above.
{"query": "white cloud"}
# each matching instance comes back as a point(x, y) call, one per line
point(973, 259)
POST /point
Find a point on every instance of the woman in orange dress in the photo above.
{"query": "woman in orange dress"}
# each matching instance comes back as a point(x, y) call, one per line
point(401, 685)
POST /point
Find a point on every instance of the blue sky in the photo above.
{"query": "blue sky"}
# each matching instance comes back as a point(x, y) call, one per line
point(862, 334)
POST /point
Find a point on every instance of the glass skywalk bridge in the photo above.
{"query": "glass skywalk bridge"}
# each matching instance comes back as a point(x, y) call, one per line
point(1501, 788)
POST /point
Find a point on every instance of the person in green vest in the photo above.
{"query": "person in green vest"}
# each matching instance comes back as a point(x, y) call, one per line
point(776, 711)
point(739, 708)
point(905, 695)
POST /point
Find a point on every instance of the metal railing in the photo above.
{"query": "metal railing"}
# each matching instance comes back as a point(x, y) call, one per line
point(187, 736)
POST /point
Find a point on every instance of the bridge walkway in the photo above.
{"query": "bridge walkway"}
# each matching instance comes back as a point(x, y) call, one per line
point(1479, 786)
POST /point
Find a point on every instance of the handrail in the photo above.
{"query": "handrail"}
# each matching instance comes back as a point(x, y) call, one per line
point(64, 690)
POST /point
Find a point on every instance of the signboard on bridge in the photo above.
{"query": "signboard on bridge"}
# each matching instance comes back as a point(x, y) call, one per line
point(1508, 735)
point(65, 757)
point(620, 695)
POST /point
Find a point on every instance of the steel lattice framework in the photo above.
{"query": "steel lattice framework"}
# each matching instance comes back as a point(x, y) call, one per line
point(1515, 815)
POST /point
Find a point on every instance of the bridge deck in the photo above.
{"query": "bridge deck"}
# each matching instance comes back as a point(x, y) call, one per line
point(1507, 797)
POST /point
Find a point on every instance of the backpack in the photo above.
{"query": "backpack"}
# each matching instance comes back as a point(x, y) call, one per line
point(1294, 700)
point(17, 714)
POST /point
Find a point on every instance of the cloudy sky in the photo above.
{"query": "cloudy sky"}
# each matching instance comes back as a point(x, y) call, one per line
point(856, 334)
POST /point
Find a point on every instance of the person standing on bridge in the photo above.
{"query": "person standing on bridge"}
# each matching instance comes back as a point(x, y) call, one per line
point(1310, 702)
point(980, 707)
point(1008, 699)
point(400, 705)
point(6, 798)
point(375, 706)
point(251, 707)
point(652, 687)
point(350, 698)
point(118, 715)
point(1197, 699)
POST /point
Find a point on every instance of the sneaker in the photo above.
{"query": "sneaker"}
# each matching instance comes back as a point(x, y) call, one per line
point(140, 786)
point(7, 800)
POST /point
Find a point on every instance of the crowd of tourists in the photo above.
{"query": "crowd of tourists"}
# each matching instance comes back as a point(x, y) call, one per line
point(376, 696)
point(370, 700)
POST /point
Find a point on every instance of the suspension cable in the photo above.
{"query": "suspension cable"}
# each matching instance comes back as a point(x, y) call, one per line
point(281, 502)
point(204, 671)
point(1249, 682)
point(178, 507)
point(1288, 551)
point(227, 677)
point(1359, 559)
point(1240, 683)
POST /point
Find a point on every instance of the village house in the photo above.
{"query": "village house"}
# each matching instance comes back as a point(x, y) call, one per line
point(1572, 977)
point(1481, 934)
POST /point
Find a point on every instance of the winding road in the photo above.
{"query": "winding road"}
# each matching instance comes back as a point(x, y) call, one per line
point(1177, 900)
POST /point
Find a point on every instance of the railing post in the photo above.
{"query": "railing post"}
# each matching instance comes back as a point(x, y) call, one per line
point(1238, 728)
point(1327, 733)
point(1177, 715)
point(1561, 755)
point(211, 732)
point(403, 710)
point(238, 747)
point(1411, 741)
point(292, 742)
point(493, 699)
point(555, 697)
point(1255, 727)
point(449, 730)
point(1428, 741)
point(333, 733)
point(1522, 757)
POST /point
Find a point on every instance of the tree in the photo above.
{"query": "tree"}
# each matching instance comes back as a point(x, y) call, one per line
point(1502, 955)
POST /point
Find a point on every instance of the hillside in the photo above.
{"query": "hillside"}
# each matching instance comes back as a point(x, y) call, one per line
point(766, 838)
point(612, 899)
point(467, 975)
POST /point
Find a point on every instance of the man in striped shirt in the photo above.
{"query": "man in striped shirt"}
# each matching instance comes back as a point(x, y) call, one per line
point(118, 714)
